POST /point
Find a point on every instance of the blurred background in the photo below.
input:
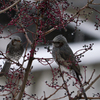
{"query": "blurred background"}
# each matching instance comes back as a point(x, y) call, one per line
point(85, 35)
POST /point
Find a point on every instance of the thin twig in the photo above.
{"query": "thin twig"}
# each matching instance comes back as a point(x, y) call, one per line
point(23, 27)
point(54, 92)
point(95, 3)
point(91, 76)
point(91, 98)
point(93, 9)
point(68, 21)
point(92, 82)
point(59, 98)
point(27, 38)
point(2, 11)
point(66, 87)
point(25, 34)
point(51, 30)
point(15, 92)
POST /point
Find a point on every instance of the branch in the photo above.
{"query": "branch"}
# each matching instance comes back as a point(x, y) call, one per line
point(95, 3)
point(25, 78)
point(91, 76)
point(66, 87)
point(59, 98)
point(25, 33)
point(27, 73)
point(91, 98)
point(54, 28)
point(51, 30)
point(9, 6)
point(92, 82)
point(90, 86)
point(27, 38)
point(94, 9)
point(54, 92)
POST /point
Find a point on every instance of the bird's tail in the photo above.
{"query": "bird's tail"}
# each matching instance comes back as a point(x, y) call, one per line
point(5, 69)
point(83, 91)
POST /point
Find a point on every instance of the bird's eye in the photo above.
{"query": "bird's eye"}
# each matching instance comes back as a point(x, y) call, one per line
point(59, 43)
point(56, 42)
point(17, 40)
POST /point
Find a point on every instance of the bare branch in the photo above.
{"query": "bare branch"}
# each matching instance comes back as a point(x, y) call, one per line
point(95, 3)
point(51, 30)
point(92, 82)
point(2, 11)
point(91, 98)
point(66, 87)
point(91, 76)
point(26, 73)
point(54, 92)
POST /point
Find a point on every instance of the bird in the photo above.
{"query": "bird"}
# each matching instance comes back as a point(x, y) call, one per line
point(14, 51)
point(63, 55)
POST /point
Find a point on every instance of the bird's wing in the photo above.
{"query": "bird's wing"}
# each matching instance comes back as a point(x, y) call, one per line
point(7, 49)
point(68, 56)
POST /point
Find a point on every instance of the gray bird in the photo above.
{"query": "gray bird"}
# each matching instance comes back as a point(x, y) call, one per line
point(14, 51)
point(64, 56)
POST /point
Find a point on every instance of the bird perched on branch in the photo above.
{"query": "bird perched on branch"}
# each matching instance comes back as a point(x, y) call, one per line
point(14, 51)
point(64, 56)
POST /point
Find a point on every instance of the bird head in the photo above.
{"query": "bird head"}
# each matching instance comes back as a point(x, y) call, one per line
point(59, 41)
point(16, 40)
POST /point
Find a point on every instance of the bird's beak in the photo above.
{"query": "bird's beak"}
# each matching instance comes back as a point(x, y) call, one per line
point(53, 42)
point(50, 41)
